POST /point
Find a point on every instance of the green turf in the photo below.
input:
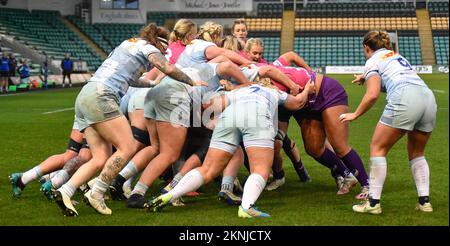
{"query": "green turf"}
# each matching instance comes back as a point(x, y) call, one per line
point(28, 136)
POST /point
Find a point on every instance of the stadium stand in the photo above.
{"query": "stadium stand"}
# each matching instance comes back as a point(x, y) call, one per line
point(326, 33)
point(441, 49)
point(116, 33)
point(44, 31)
point(439, 24)
point(330, 50)
point(92, 32)
point(356, 9)
point(409, 47)
point(270, 10)
point(438, 8)
point(160, 17)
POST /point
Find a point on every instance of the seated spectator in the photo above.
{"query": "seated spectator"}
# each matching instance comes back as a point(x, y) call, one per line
point(24, 72)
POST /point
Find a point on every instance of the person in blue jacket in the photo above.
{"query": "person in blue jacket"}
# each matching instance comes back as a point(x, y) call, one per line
point(4, 73)
point(24, 72)
point(67, 68)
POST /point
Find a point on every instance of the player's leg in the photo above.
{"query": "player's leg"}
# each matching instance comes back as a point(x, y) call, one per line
point(215, 161)
point(383, 139)
point(66, 172)
point(142, 157)
point(52, 163)
point(260, 162)
point(101, 151)
point(337, 134)
point(171, 141)
point(116, 131)
point(277, 167)
point(139, 163)
point(417, 141)
point(191, 163)
point(229, 176)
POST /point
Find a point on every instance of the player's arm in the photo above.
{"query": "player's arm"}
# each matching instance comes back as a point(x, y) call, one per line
point(153, 73)
point(275, 74)
point(373, 84)
point(213, 51)
point(299, 101)
point(359, 79)
point(160, 62)
point(292, 57)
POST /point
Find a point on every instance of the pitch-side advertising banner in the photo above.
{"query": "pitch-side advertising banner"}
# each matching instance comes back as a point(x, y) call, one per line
point(214, 5)
point(420, 69)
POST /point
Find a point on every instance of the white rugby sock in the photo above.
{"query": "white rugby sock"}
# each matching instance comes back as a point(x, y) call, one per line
point(378, 169)
point(129, 170)
point(227, 183)
point(128, 183)
point(175, 180)
point(140, 188)
point(421, 174)
point(99, 189)
point(52, 174)
point(68, 189)
point(59, 179)
point(252, 190)
point(31, 175)
point(190, 182)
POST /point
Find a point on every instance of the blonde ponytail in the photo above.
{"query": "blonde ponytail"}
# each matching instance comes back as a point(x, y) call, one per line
point(182, 30)
point(210, 29)
point(377, 40)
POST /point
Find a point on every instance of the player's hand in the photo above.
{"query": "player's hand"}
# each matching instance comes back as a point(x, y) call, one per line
point(310, 87)
point(226, 84)
point(347, 117)
point(199, 83)
point(359, 79)
point(295, 90)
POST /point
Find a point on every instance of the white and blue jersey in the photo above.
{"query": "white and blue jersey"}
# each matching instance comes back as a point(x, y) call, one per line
point(394, 70)
point(125, 64)
point(410, 103)
point(264, 98)
point(250, 118)
point(194, 57)
point(194, 53)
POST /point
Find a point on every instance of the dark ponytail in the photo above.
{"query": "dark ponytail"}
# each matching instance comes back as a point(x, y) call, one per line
point(155, 35)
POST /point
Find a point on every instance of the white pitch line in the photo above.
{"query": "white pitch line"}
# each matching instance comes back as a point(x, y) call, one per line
point(59, 110)
point(439, 91)
point(14, 94)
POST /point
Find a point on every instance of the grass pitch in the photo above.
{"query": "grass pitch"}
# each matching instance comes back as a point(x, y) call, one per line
point(28, 136)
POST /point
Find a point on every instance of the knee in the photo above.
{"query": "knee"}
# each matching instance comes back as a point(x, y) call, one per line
point(168, 157)
point(377, 150)
point(225, 66)
point(128, 148)
point(98, 163)
point(314, 150)
point(341, 151)
point(208, 175)
point(84, 157)
point(69, 155)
